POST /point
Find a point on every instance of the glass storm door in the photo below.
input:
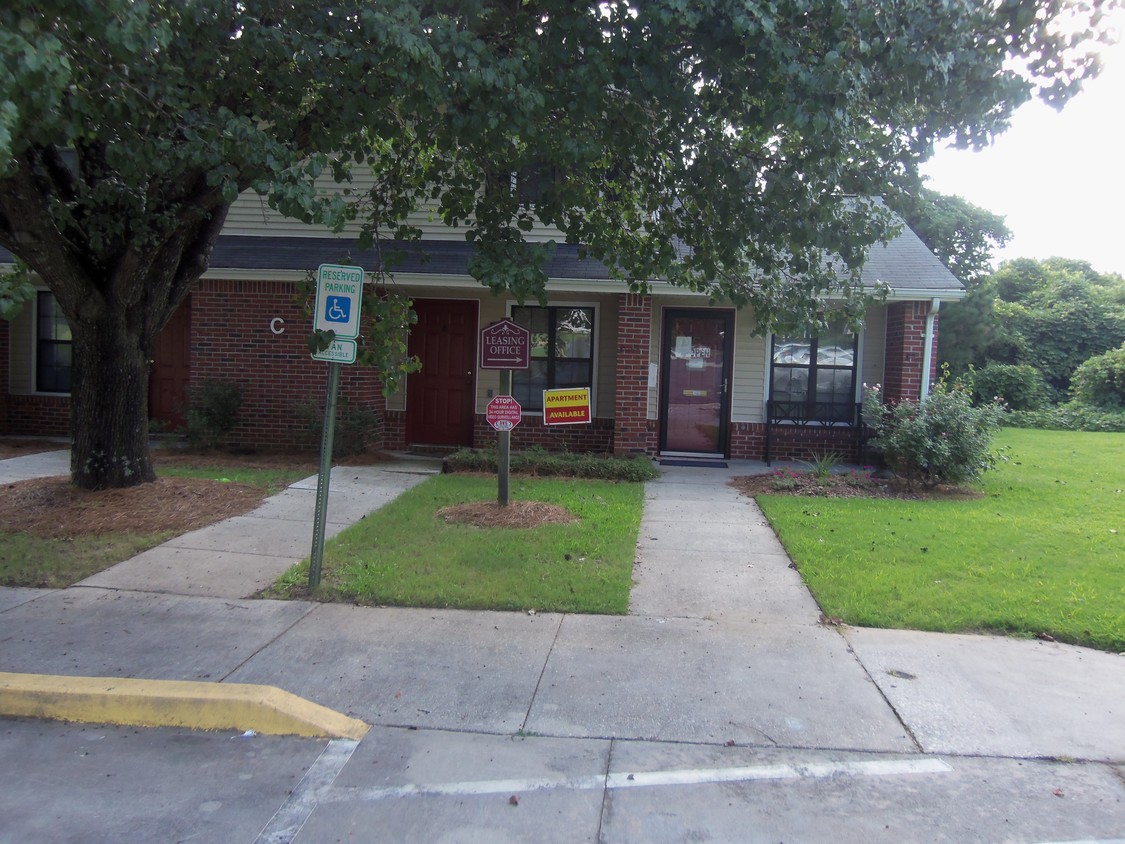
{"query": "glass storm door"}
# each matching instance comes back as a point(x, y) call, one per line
point(696, 374)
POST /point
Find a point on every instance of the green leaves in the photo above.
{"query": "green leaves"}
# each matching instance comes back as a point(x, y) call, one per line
point(16, 290)
point(717, 146)
point(319, 340)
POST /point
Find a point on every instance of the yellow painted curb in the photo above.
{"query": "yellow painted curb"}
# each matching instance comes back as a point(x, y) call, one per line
point(172, 703)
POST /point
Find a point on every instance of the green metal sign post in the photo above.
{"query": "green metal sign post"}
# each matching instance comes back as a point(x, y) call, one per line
point(320, 518)
point(504, 345)
point(339, 295)
point(505, 455)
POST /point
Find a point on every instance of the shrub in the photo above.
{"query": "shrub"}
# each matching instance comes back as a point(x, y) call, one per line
point(537, 461)
point(1100, 381)
point(941, 440)
point(1020, 386)
point(1073, 416)
point(357, 428)
point(212, 412)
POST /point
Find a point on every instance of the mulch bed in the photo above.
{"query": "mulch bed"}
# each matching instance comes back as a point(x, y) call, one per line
point(54, 509)
point(518, 514)
point(21, 448)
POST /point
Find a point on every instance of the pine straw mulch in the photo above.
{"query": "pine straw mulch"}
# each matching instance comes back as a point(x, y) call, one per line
point(518, 514)
point(52, 508)
point(839, 487)
point(20, 448)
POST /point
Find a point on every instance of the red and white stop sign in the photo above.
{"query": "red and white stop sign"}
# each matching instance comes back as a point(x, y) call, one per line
point(503, 413)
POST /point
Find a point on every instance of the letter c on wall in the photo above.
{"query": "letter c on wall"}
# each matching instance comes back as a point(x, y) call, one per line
point(277, 325)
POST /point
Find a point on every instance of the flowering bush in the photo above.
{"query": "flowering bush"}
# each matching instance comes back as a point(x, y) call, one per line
point(785, 479)
point(941, 440)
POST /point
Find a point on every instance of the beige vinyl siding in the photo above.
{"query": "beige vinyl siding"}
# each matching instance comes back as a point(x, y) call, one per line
point(874, 347)
point(751, 371)
point(251, 214)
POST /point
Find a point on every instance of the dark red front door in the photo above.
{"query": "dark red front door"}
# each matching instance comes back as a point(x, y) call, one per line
point(439, 398)
point(171, 370)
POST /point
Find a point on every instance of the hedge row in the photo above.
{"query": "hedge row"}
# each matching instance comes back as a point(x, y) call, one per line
point(557, 464)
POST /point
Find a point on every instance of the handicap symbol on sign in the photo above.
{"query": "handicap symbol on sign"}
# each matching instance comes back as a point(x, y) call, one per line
point(337, 309)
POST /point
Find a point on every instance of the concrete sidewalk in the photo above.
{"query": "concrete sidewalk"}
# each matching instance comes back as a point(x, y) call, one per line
point(721, 662)
point(722, 641)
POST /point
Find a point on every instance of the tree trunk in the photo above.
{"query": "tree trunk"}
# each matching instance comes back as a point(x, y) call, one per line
point(109, 386)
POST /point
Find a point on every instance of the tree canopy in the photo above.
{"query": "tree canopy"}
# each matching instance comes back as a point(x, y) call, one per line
point(961, 234)
point(711, 144)
point(1051, 315)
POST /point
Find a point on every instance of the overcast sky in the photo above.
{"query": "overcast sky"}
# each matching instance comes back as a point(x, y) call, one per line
point(1057, 177)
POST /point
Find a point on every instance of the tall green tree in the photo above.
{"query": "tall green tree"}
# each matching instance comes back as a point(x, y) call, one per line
point(710, 143)
point(1053, 315)
point(964, 236)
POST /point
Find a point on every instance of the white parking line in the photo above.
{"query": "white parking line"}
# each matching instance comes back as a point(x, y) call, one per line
point(288, 820)
point(643, 779)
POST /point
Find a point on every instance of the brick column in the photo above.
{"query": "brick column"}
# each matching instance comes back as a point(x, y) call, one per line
point(630, 412)
point(906, 337)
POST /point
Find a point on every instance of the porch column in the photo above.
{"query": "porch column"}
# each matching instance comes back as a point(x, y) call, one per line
point(906, 337)
point(630, 409)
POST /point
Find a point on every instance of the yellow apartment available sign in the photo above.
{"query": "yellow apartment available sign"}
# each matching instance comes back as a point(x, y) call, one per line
point(566, 407)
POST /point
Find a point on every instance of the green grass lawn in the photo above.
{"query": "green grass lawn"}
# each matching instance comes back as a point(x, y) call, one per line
point(271, 479)
point(43, 563)
point(405, 554)
point(1042, 551)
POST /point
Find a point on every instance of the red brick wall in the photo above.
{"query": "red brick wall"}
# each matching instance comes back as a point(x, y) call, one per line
point(632, 432)
point(394, 430)
point(595, 438)
point(232, 341)
point(906, 337)
point(791, 442)
point(28, 415)
point(38, 416)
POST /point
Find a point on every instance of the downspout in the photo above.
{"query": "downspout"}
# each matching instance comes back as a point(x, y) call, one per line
point(928, 348)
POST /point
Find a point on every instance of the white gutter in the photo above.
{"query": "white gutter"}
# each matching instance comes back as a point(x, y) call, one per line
point(928, 347)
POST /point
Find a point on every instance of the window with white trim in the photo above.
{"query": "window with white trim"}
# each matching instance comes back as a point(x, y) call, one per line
point(562, 352)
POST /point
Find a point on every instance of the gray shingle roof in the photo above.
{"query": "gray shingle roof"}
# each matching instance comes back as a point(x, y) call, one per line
point(905, 264)
point(435, 257)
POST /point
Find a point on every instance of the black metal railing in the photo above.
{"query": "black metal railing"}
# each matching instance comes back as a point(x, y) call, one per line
point(847, 415)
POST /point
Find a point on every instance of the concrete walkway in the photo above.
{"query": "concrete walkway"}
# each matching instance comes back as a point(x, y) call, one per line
point(721, 673)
